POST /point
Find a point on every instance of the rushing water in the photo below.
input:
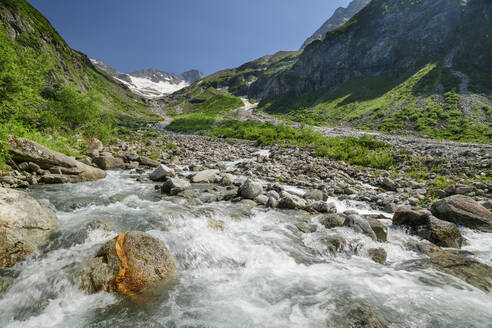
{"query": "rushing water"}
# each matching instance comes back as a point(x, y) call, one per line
point(259, 272)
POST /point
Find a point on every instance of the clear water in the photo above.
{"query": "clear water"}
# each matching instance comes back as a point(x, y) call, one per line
point(259, 272)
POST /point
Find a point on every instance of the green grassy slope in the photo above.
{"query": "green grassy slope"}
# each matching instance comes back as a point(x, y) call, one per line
point(50, 92)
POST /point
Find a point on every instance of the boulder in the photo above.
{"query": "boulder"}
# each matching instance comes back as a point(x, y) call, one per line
point(109, 162)
point(206, 176)
point(335, 243)
point(315, 194)
point(332, 220)
point(359, 225)
point(174, 186)
point(378, 255)
point(161, 173)
point(463, 210)
point(40, 157)
point(423, 224)
point(250, 189)
point(145, 161)
point(291, 202)
point(128, 264)
point(25, 224)
point(324, 207)
point(379, 229)
point(465, 268)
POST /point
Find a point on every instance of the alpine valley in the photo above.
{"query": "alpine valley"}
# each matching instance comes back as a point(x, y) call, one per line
point(346, 184)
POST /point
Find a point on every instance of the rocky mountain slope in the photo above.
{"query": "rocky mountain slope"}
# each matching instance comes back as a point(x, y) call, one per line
point(48, 89)
point(151, 83)
point(340, 17)
point(397, 65)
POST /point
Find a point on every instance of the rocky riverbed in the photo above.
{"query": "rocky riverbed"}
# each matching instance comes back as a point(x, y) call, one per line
point(238, 234)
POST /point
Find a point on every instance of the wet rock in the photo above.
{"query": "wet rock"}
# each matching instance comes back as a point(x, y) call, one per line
point(378, 255)
point(335, 243)
point(272, 202)
point(422, 223)
point(467, 269)
point(248, 202)
point(109, 162)
point(145, 161)
point(465, 211)
point(261, 199)
point(174, 186)
point(379, 229)
point(128, 265)
point(357, 315)
point(54, 179)
point(324, 207)
point(315, 194)
point(332, 220)
point(40, 157)
point(161, 173)
point(250, 189)
point(305, 227)
point(227, 180)
point(206, 176)
point(359, 225)
point(25, 224)
point(291, 202)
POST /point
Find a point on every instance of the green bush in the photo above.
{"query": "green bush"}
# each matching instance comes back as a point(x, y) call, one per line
point(365, 151)
point(191, 123)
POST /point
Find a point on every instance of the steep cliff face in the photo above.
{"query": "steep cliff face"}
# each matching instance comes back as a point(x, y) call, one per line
point(340, 17)
point(387, 38)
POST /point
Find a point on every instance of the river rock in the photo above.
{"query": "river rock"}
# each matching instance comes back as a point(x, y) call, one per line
point(25, 224)
point(128, 264)
point(379, 229)
point(357, 315)
point(359, 225)
point(332, 220)
point(109, 162)
point(161, 173)
point(315, 194)
point(40, 157)
point(335, 243)
point(422, 223)
point(378, 255)
point(324, 207)
point(174, 186)
point(250, 189)
point(145, 161)
point(465, 268)
point(206, 176)
point(463, 210)
point(291, 202)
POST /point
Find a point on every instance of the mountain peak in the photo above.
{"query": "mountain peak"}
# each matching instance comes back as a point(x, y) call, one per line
point(339, 17)
point(151, 82)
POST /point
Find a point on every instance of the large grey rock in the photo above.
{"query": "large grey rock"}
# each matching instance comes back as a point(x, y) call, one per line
point(379, 229)
point(291, 202)
point(206, 176)
point(109, 162)
point(463, 210)
point(161, 173)
point(145, 161)
point(250, 189)
point(40, 157)
point(128, 264)
point(467, 269)
point(174, 186)
point(359, 225)
point(423, 224)
point(25, 224)
point(332, 220)
point(315, 194)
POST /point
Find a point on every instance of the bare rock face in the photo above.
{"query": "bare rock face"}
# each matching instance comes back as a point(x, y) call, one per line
point(465, 211)
point(25, 224)
point(128, 265)
point(24, 150)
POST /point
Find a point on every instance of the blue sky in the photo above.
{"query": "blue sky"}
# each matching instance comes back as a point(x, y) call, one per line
point(178, 35)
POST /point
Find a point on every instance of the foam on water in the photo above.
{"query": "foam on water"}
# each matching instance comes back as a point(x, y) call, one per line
point(259, 272)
